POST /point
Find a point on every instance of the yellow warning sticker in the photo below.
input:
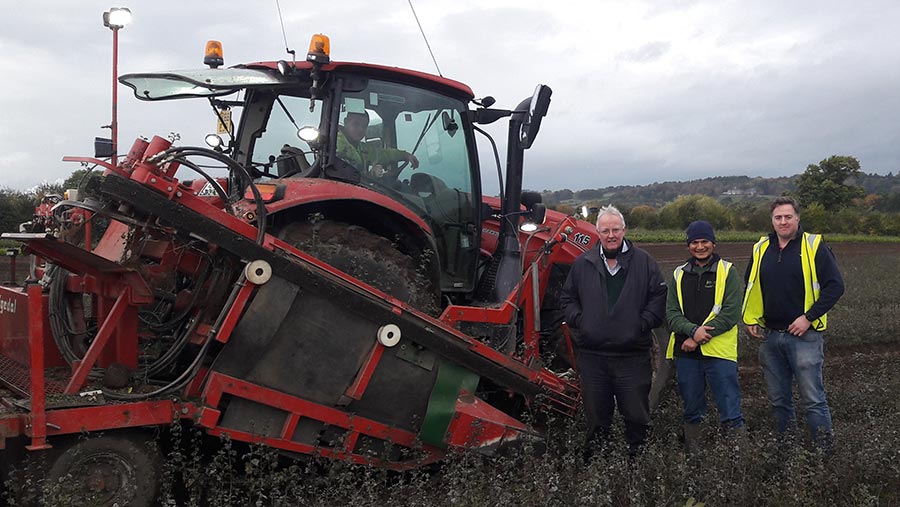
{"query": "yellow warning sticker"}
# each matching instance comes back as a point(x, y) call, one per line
point(223, 125)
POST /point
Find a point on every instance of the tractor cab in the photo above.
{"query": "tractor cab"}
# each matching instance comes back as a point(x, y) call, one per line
point(404, 137)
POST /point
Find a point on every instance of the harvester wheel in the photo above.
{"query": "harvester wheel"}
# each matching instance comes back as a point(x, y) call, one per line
point(367, 256)
point(106, 470)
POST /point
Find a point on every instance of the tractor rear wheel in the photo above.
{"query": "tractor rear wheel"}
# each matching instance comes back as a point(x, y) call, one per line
point(369, 257)
point(106, 470)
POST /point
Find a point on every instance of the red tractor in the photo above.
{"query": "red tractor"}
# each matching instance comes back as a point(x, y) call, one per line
point(343, 294)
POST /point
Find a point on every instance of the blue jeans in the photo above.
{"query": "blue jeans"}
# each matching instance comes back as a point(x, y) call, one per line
point(722, 377)
point(785, 357)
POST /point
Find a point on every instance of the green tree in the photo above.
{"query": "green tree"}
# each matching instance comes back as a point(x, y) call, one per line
point(826, 183)
point(815, 219)
point(643, 216)
point(749, 216)
point(688, 208)
point(75, 180)
point(15, 208)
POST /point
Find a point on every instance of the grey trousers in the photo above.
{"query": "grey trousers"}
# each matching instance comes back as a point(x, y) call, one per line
point(663, 378)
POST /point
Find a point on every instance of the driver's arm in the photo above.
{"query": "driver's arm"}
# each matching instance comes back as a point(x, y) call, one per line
point(390, 155)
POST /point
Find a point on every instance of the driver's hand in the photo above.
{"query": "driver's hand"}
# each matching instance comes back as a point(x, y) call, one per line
point(412, 160)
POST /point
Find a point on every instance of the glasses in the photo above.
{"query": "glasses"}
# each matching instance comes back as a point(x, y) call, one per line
point(606, 232)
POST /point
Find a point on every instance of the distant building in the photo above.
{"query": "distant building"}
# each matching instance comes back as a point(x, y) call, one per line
point(739, 191)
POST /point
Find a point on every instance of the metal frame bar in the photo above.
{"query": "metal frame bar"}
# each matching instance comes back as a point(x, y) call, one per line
point(38, 417)
point(297, 408)
point(83, 367)
point(358, 387)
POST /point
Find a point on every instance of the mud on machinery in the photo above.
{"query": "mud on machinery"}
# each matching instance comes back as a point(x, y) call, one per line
point(382, 314)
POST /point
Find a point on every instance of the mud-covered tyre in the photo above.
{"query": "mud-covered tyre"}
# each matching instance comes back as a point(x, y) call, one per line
point(105, 470)
point(369, 257)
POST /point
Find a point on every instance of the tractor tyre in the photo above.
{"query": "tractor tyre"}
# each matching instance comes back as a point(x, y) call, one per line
point(105, 470)
point(369, 257)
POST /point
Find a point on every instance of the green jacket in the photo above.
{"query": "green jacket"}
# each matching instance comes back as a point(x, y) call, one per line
point(363, 156)
point(727, 317)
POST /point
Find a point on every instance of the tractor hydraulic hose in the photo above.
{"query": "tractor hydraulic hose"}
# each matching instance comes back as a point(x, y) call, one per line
point(191, 371)
point(173, 352)
point(212, 182)
point(101, 211)
point(60, 325)
point(183, 152)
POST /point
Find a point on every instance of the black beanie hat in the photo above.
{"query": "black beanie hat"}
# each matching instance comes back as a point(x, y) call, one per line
point(700, 230)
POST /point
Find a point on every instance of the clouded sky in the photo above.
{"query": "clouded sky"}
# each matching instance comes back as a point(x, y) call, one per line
point(643, 91)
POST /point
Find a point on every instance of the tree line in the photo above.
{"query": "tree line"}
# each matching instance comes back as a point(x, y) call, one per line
point(835, 196)
point(18, 207)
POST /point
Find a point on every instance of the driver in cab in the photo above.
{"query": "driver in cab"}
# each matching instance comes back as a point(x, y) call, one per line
point(367, 157)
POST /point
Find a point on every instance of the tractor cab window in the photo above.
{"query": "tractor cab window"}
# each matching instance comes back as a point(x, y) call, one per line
point(410, 144)
point(280, 149)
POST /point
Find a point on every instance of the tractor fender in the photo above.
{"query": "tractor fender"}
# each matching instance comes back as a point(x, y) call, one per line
point(355, 205)
point(306, 191)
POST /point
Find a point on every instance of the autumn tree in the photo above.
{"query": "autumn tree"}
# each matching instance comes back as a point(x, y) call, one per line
point(826, 183)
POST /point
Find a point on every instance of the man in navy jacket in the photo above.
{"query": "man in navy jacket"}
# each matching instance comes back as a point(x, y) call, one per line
point(614, 296)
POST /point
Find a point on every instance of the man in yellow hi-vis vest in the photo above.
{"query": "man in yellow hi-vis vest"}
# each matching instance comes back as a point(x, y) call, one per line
point(703, 309)
point(792, 282)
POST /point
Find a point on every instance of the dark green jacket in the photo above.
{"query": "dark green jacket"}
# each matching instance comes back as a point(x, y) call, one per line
point(698, 303)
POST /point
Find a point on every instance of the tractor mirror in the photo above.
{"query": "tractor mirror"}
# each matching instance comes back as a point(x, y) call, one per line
point(449, 124)
point(538, 213)
point(537, 109)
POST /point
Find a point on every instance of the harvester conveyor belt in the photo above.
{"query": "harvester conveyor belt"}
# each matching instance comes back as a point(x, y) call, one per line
point(417, 327)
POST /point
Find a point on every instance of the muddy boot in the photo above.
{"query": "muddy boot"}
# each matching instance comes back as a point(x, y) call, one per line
point(691, 438)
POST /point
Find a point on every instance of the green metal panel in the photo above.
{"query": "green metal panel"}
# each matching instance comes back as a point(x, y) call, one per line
point(451, 380)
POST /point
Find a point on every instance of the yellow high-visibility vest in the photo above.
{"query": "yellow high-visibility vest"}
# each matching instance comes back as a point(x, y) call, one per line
point(753, 302)
point(723, 346)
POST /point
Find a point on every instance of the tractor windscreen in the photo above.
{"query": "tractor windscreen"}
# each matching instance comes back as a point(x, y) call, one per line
point(414, 145)
point(197, 83)
point(283, 141)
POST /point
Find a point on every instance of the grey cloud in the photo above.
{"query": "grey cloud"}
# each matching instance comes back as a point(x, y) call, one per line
point(649, 52)
point(772, 85)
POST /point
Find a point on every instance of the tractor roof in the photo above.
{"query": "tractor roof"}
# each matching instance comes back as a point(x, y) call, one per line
point(208, 82)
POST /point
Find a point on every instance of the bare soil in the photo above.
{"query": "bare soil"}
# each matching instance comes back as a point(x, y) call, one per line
point(667, 254)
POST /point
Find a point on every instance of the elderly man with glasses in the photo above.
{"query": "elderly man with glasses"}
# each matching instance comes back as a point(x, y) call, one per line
point(614, 296)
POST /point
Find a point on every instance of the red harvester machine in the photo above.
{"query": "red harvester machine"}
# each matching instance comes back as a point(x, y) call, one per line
point(382, 314)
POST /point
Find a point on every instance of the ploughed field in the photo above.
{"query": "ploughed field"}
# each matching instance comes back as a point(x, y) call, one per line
point(671, 254)
point(861, 377)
